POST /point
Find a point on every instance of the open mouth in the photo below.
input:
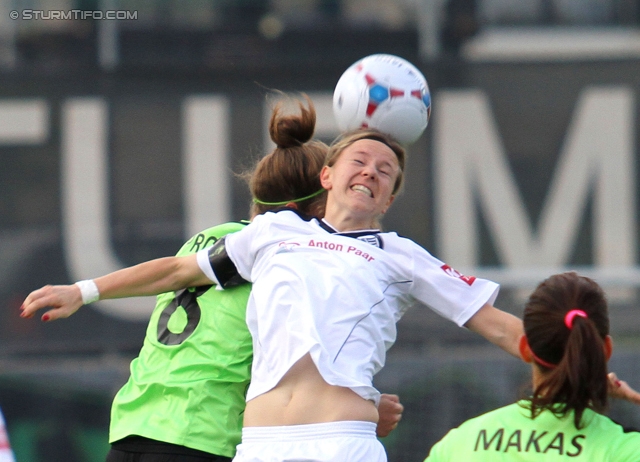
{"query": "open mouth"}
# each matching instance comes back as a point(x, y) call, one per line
point(362, 189)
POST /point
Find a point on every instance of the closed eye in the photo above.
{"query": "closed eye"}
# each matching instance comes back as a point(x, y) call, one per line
point(386, 169)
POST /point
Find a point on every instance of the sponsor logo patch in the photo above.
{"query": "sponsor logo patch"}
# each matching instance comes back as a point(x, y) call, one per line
point(456, 274)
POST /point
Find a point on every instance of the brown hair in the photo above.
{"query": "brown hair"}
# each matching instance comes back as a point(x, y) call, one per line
point(292, 170)
point(578, 378)
point(348, 138)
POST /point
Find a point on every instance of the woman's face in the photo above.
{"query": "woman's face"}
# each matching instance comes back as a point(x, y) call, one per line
point(362, 179)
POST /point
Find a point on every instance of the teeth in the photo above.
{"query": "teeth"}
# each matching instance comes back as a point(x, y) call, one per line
point(363, 189)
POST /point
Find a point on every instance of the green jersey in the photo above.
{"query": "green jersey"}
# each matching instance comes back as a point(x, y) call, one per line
point(509, 434)
point(188, 384)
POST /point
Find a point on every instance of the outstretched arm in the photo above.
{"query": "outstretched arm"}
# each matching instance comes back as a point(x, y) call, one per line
point(499, 327)
point(150, 278)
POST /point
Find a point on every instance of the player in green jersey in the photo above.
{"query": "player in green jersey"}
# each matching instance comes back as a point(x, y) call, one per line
point(185, 394)
point(568, 344)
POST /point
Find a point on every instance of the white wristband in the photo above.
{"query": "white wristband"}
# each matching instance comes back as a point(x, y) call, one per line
point(89, 291)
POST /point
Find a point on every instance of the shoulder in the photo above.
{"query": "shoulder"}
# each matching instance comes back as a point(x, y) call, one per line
point(618, 440)
point(401, 243)
point(223, 229)
point(282, 219)
point(606, 425)
point(286, 214)
point(410, 253)
point(486, 425)
point(208, 237)
point(500, 415)
point(393, 242)
point(459, 442)
point(499, 430)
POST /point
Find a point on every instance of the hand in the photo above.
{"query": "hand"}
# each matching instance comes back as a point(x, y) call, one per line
point(621, 389)
point(390, 413)
point(65, 300)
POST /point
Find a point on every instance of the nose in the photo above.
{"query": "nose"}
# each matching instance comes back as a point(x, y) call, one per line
point(369, 171)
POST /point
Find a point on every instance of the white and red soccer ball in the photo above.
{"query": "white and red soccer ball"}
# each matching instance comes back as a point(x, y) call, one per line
point(384, 92)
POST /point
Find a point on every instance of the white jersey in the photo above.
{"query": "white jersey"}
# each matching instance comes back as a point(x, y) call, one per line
point(337, 296)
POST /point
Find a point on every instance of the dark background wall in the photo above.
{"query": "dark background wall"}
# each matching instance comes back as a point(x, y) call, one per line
point(57, 380)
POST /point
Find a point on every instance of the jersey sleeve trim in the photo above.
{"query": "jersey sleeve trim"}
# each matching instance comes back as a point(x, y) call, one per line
point(224, 270)
point(202, 256)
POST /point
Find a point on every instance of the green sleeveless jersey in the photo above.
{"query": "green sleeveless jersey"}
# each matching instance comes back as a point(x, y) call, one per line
point(509, 434)
point(188, 384)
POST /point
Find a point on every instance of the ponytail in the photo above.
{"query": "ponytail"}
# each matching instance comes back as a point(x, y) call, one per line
point(568, 348)
point(291, 172)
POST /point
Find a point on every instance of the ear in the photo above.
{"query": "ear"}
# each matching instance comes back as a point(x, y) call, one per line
point(291, 205)
point(525, 349)
point(608, 347)
point(388, 204)
point(325, 177)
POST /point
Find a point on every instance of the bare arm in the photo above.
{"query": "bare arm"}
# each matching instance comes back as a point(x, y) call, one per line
point(148, 278)
point(499, 327)
point(152, 277)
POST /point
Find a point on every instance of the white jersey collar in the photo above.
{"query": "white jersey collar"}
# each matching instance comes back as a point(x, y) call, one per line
point(371, 236)
point(332, 229)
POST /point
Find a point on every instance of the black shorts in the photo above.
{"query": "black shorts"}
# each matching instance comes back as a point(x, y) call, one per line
point(139, 449)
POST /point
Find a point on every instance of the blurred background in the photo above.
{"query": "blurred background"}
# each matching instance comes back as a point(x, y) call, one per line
point(122, 124)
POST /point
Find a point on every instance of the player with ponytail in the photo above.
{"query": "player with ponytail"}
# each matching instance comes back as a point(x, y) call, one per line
point(567, 336)
point(185, 398)
point(567, 342)
point(290, 174)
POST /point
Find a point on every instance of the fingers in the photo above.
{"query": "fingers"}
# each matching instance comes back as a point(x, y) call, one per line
point(390, 412)
point(35, 301)
point(613, 380)
point(622, 390)
point(55, 314)
point(393, 404)
point(65, 300)
point(397, 409)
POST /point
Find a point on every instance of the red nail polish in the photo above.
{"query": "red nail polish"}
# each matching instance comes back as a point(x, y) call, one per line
point(45, 317)
point(618, 383)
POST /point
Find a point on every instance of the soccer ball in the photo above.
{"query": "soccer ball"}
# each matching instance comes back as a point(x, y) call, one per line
point(384, 92)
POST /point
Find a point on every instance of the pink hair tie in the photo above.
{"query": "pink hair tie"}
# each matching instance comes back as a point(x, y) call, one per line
point(568, 318)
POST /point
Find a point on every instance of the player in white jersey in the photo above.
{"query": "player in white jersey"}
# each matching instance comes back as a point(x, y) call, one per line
point(324, 308)
point(317, 268)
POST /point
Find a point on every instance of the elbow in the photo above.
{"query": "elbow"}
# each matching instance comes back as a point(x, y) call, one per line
point(176, 275)
point(187, 273)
